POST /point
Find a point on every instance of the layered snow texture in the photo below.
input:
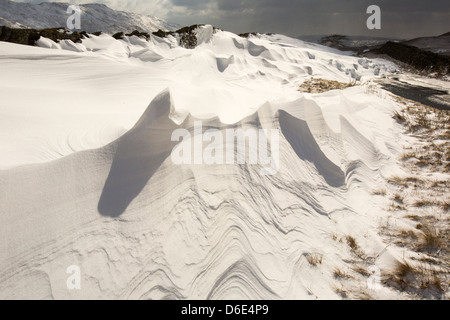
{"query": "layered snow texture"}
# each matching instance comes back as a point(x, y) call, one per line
point(88, 180)
point(94, 17)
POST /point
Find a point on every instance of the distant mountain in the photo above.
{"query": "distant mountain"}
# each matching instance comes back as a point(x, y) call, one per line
point(361, 44)
point(439, 44)
point(347, 41)
point(357, 44)
point(94, 17)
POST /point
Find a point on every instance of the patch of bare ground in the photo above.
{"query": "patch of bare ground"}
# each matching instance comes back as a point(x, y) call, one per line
point(418, 223)
point(319, 85)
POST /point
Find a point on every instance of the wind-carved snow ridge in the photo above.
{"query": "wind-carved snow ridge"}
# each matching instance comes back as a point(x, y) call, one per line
point(109, 198)
point(152, 229)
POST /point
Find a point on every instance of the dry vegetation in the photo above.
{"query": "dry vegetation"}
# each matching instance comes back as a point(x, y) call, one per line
point(379, 192)
point(352, 243)
point(357, 269)
point(431, 127)
point(339, 274)
point(420, 280)
point(419, 205)
point(340, 290)
point(314, 259)
point(416, 222)
point(318, 85)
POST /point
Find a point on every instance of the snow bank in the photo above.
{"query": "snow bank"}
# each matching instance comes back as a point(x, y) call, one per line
point(99, 189)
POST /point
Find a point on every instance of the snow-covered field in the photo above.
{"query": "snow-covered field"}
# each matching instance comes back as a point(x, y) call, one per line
point(86, 176)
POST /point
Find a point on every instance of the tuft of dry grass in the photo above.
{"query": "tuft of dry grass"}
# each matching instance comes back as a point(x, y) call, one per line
point(420, 280)
point(414, 217)
point(319, 85)
point(361, 270)
point(429, 260)
point(379, 192)
point(396, 207)
point(339, 274)
point(431, 240)
point(414, 180)
point(364, 296)
point(407, 156)
point(408, 234)
point(421, 121)
point(439, 184)
point(399, 181)
point(425, 203)
point(398, 198)
point(422, 163)
point(402, 272)
point(314, 259)
point(340, 291)
point(352, 243)
point(336, 237)
point(404, 238)
point(399, 117)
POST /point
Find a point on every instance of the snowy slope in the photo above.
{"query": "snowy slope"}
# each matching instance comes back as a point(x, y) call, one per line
point(10, 24)
point(94, 17)
point(113, 81)
point(87, 178)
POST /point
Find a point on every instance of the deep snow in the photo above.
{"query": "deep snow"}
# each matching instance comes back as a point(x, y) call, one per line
point(86, 176)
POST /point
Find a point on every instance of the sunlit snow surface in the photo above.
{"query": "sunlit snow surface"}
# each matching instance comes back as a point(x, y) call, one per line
point(87, 179)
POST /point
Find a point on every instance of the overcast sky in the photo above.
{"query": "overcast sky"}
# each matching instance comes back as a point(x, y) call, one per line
point(400, 18)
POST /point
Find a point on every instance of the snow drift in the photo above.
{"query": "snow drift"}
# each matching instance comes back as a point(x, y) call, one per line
point(95, 185)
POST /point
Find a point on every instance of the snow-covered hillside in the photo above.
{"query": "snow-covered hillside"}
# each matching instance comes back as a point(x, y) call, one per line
point(11, 24)
point(86, 176)
point(94, 17)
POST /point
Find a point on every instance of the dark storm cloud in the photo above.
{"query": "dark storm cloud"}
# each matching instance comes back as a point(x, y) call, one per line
point(400, 18)
point(191, 4)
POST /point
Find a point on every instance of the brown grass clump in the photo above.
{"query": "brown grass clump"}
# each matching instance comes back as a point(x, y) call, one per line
point(341, 291)
point(431, 240)
point(425, 203)
point(361, 270)
point(398, 198)
point(417, 279)
point(379, 192)
point(356, 249)
point(399, 117)
point(318, 85)
point(352, 243)
point(314, 259)
point(339, 274)
point(396, 180)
